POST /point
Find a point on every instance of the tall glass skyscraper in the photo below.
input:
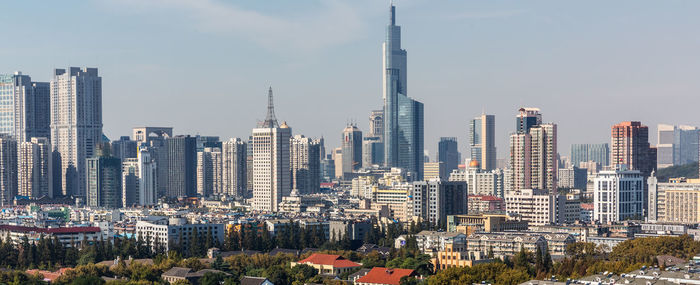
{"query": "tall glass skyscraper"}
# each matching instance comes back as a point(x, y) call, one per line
point(482, 140)
point(403, 116)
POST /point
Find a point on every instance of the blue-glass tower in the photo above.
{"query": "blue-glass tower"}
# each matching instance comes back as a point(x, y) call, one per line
point(403, 116)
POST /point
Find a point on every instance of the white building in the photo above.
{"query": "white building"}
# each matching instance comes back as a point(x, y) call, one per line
point(537, 207)
point(234, 167)
point(479, 182)
point(618, 195)
point(305, 164)
point(34, 168)
point(168, 232)
point(148, 177)
point(76, 123)
point(271, 175)
point(209, 164)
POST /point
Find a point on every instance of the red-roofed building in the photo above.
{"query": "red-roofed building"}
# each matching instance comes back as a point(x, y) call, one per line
point(48, 275)
point(382, 275)
point(485, 204)
point(329, 264)
point(68, 236)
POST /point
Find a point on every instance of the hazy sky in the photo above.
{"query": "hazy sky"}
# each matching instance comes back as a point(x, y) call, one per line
point(204, 66)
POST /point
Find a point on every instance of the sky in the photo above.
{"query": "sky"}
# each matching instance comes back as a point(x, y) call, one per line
point(204, 66)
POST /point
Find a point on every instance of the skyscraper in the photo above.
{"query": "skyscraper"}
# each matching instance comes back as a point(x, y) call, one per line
point(372, 151)
point(533, 152)
point(148, 177)
point(448, 153)
point(130, 182)
point(104, 180)
point(630, 146)
point(76, 124)
point(482, 139)
point(403, 116)
point(24, 107)
point(305, 164)
point(599, 153)
point(8, 169)
point(677, 145)
point(124, 148)
point(34, 168)
point(146, 134)
point(272, 177)
point(234, 170)
point(376, 123)
point(352, 149)
point(182, 166)
point(209, 172)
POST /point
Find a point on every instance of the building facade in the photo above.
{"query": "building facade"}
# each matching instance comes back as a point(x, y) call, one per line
point(448, 154)
point(8, 169)
point(305, 164)
point(24, 107)
point(104, 180)
point(234, 170)
point(182, 166)
point(76, 124)
point(537, 207)
point(34, 168)
point(599, 153)
point(351, 145)
point(618, 195)
point(434, 200)
point(677, 145)
point(630, 147)
point(482, 139)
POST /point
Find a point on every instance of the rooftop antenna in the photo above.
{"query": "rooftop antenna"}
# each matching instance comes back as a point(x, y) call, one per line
point(270, 119)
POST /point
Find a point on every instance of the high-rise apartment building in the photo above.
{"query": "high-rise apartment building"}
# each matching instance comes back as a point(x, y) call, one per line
point(434, 200)
point(272, 178)
point(8, 169)
point(630, 147)
point(599, 153)
point(34, 168)
point(24, 107)
point(677, 145)
point(403, 116)
point(305, 164)
point(148, 177)
point(537, 207)
point(448, 153)
point(482, 139)
point(618, 195)
point(104, 180)
point(130, 182)
point(76, 124)
point(234, 170)
point(182, 166)
point(209, 166)
point(533, 152)
point(352, 149)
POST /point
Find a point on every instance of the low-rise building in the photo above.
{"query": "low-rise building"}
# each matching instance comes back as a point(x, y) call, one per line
point(485, 204)
point(538, 207)
point(384, 276)
point(328, 264)
point(431, 242)
point(67, 236)
point(468, 224)
point(503, 244)
point(167, 232)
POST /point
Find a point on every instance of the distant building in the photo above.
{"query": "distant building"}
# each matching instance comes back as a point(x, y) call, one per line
point(674, 202)
point(305, 164)
point(489, 183)
point(351, 145)
point(24, 107)
point(448, 154)
point(537, 207)
point(148, 177)
point(271, 161)
point(482, 139)
point(435, 170)
point(533, 152)
point(677, 145)
point(74, 137)
point(376, 124)
point(328, 264)
point(433, 200)
point(104, 180)
point(8, 164)
point(630, 147)
point(146, 134)
point(130, 182)
point(209, 173)
point(573, 178)
point(34, 168)
point(166, 233)
point(485, 204)
point(372, 151)
point(182, 166)
point(234, 167)
point(599, 153)
point(124, 148)
point(618, 195)
point(388, 276)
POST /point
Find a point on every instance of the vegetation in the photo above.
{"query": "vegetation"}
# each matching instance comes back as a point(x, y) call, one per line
point(687, 170)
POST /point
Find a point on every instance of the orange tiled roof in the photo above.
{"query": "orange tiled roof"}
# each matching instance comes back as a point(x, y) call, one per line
point(382, 275)
point(329, 259)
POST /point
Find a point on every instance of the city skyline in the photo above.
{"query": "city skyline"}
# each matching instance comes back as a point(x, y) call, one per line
point(615, 76)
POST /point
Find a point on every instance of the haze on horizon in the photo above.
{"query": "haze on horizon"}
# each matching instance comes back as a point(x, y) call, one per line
point(204, 66)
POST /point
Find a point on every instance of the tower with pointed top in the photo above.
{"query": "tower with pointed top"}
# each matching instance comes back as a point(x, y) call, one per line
point(403, 116)
point(272, 178)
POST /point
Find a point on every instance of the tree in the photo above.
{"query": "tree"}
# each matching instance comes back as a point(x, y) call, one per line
point(212, 278)
point(302, 273)
point(277, 275)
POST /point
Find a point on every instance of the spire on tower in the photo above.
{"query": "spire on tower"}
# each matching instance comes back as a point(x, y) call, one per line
point(270, 119)
point(393, 14)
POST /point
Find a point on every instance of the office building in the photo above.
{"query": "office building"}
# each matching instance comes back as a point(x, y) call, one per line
point(124, 148)
point(305, 164)
point(537, 207)
point(677, 145)
point(376, 123)
point(148, 177)
point(403, 116)
point(434, 200)
point(207, 141)
point(182, 166)
point(327, 168)
point(8, 169)
point(209, 165)
point(479, 182)
point(76, 124)
point(372, 151)
point(448, 153)
point(146, 134)
point(272, 178)
point(526, 119)
point(573, 178)
point(482, 140)
point(24, 107)
point(618, 195)
point(600, 153)
point(352, 149)
point(630, 147)
point(435, 170)
point(130, 182)
point(338, 162)
point(104, 180)
point(34, 168)
point(677, 201)
point(234, 170)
